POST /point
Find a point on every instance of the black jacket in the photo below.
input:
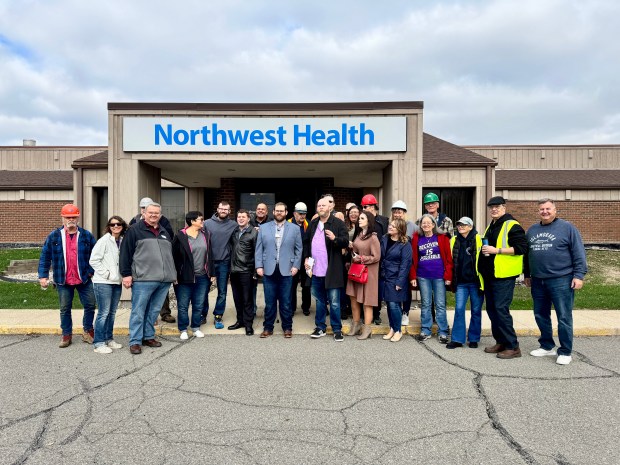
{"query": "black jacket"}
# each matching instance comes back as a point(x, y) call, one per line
point(335, 260)
point(516, 239)
point(381, 225)
point(184, 260)
point(243, 248)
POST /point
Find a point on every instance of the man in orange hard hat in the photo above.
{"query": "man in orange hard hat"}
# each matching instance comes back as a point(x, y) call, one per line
point(67, 250)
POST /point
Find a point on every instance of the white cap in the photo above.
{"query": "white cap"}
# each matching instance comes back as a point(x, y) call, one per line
point(301, 207)
point(145, 202)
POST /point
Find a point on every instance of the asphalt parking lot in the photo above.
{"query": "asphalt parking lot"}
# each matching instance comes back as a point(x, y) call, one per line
point(234, 399)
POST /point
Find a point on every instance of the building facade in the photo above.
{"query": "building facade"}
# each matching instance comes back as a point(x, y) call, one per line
point(192, 156)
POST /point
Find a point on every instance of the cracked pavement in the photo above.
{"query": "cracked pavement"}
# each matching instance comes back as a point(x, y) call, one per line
point(232, 399)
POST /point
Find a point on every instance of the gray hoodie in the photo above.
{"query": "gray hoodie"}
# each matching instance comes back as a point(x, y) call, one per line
point(220, 230)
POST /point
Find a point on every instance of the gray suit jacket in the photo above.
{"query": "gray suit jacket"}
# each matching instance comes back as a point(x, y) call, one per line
point(290, 248)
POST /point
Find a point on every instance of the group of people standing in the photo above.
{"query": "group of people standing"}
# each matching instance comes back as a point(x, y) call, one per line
point(395, 254)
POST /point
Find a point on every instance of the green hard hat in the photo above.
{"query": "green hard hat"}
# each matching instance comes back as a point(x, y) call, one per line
point(430, 197)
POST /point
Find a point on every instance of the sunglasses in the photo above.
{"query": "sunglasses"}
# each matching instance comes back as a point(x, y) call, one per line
point(114, 225)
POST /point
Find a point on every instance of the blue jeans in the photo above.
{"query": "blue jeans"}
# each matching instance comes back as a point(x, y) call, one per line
point(221, 273)
point(429, 289)
point(196, 293)
point(108, 296)
point(147, 297)
point(322, 296)
point(476, 297)
point(395, 315)
point(556, 291)
point(87, 297)
point(498, 293)
point(406, 305)
point(278, 291)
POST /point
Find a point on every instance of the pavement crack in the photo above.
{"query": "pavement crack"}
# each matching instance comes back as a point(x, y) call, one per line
point(26, 338)
point(37, 442)
point(497, 424)
point(587, 361)
point(87, 415)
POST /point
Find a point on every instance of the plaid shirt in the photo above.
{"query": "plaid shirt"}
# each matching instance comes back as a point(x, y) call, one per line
point(53, 255)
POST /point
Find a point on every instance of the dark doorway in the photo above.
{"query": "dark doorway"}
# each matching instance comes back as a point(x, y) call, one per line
point(273, 190)
point(454, 202)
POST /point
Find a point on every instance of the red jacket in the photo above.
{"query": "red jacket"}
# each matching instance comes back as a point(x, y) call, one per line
point(444, 251)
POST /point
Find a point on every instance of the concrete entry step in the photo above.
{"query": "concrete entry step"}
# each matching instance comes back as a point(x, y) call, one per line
point(22, 266)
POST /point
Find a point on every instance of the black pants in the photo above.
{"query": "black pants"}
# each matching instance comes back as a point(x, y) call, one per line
point(498, 295)
point(243, 285)
point(306, 299)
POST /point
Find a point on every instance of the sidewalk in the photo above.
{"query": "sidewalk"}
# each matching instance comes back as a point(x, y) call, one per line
point(585, 322)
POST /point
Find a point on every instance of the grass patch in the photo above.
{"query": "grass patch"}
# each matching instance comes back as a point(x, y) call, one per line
point(6, 255)
point(30, 295)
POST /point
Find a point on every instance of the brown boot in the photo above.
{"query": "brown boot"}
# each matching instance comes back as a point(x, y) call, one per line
point(509, 353)
point(88, 336)
point(494, 349)
point(366, 332)
point(354, 329)
point(65, 342)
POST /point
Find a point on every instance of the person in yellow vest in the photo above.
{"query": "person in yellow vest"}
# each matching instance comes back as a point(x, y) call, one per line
point(500, 263)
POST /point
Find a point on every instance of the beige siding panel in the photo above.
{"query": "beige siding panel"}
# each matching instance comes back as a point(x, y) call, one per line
point(454, 178)
point(559, 157)
point(42, 158)
point(576, 195)
point(7, 196)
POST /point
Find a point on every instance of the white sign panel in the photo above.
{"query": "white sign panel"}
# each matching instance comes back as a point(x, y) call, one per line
point(355, 134)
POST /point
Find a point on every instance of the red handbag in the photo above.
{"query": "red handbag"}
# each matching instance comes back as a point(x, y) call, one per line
point(358, 273)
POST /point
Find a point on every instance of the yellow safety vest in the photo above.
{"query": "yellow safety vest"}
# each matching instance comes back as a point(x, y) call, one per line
point(478, 249)
point(506, 265)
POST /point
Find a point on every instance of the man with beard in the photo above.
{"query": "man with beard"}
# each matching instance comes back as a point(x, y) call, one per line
point(278, 258)
point(67, 249)
point(221, 228)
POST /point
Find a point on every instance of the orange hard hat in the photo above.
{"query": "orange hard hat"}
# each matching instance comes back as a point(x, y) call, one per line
point(369, 199)
point(69, 210)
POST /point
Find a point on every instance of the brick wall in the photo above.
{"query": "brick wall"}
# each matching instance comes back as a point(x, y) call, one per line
point(29, 222)
point(597, 221)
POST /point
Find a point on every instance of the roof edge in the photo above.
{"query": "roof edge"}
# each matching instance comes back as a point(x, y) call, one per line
point(408, 105)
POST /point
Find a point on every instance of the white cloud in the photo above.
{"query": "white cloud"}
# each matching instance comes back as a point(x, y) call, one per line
point(530, 71)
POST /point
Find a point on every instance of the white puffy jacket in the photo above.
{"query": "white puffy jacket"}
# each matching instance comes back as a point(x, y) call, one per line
point(104, 260)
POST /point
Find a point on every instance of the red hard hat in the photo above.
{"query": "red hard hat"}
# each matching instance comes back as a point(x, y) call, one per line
point(369, 199)
point(70, 210)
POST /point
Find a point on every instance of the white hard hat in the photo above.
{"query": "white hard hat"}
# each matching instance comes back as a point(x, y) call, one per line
point(301, 207)
point(399, 204)
point(145, 202)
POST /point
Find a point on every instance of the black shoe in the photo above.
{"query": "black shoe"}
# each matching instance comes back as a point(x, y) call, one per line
point(168, 319)
point(376, 321)
point(453, 345)
point(317, 333)
point(237, 325)
point(203, 320)
point(473, 345)
point(338, 337)
point(307, 312)
point(249, 332)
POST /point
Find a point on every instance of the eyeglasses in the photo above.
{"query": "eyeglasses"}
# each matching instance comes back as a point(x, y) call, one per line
point(114, 225)
point(496, 207)
point(461, 225)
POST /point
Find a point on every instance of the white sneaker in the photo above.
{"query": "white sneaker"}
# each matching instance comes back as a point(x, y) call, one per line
point(184, 336)
point(114, 345)
point(199, 333)
point(540, 352)
point(103, 350)
point(564, 359)
point(405, 320)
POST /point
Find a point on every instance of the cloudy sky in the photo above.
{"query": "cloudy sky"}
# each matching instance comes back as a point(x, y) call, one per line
point(489, 72)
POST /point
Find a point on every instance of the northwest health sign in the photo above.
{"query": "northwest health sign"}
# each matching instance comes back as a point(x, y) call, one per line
point(354, 134)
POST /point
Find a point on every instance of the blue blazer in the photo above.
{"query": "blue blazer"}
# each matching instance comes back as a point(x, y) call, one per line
point(290, 248)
